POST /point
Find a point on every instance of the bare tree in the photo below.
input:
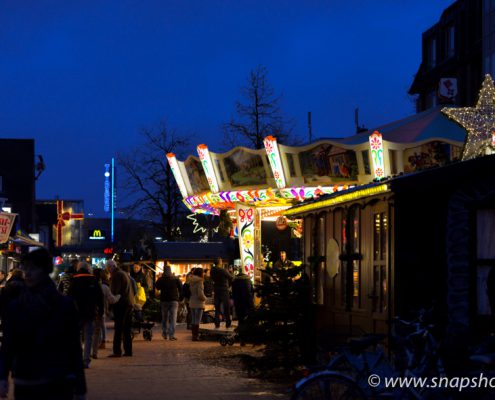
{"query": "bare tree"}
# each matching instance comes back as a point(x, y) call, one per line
point(259, 114)
point(149, 185)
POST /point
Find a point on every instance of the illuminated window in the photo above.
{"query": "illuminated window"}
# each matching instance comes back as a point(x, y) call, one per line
point(351, 279)
point(379, 294)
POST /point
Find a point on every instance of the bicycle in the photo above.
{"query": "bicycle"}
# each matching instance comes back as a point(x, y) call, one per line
point(356, 363)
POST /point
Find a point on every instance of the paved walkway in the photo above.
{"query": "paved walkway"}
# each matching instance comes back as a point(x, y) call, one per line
point(163, 369)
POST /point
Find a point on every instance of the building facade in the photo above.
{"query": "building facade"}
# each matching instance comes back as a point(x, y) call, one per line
point(454, 52)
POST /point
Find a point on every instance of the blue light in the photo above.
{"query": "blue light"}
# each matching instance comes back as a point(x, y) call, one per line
point(113, 197)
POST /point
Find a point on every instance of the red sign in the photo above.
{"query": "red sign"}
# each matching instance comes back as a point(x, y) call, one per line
point(6, 223)
point(108, 250)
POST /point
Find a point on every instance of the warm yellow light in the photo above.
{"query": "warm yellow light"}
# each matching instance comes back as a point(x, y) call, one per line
point(338, 199)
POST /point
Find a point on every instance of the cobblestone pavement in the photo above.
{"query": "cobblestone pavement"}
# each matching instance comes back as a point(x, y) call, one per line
point(162, 369)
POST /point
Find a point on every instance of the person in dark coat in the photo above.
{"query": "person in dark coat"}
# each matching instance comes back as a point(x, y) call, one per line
point(120, 284)
point(41, 346)
point(66, 278)
point(13, 288)
point(242, 293)
point(88, 296)
point(170, 288)
point(221, 287)
point(139, 276)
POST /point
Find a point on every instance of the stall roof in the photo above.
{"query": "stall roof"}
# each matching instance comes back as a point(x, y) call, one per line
point(427, 125)
point(174, 251)
point(447, 176)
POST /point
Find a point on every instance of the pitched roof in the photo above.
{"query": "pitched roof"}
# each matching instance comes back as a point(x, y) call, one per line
point(427, 125)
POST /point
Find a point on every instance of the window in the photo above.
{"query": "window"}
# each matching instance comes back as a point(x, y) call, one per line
point(450, 41)
point(392, 154)
point(431, 53)
point(351, 279)
point(290, 161)
point(366, 162)
point(219, 169)
point(320, 268)
point(379, 293)
point(431, 99)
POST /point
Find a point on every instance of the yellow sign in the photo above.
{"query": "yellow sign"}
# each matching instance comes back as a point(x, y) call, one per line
point(97, 234)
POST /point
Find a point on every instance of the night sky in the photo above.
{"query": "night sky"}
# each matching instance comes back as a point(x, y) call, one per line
point(83, 77)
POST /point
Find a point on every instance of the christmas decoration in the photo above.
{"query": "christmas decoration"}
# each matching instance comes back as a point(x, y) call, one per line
point(63, 217)
point(198, 227)
point(479, 121)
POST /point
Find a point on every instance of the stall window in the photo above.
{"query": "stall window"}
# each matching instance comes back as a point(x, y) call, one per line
point(320, 277)
point(485, 255)
point(379, 295)
point(352, 276)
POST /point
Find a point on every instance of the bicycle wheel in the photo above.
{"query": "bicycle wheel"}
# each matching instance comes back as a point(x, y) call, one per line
point(327, 386)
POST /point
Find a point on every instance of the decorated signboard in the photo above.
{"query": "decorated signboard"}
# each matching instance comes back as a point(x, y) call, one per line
point(376, 146)
point(6, 223)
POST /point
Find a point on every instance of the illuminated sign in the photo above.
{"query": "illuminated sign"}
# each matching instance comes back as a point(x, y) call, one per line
point(97, 234)
point(246, 222)
point(174, 166)
point(205, 158)
point(376, 146)
point(271, 147)
point(64, 218)
point(106, 195)
point(108, 250)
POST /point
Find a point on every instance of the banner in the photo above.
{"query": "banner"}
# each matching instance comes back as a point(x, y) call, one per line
point(6, 224)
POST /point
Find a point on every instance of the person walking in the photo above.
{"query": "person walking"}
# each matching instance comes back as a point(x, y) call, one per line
point(242, 293)
point(170, 288)
point(88, 296)
point(41, 345)
point(186, 295)
point(196, 301)
point(100, 335)
point(120, 284)
point(66, 278)
point(221, 286)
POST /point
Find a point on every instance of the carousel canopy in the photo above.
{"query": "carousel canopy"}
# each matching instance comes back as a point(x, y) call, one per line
point(282, 176)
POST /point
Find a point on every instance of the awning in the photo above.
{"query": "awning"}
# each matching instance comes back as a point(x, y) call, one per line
point(24, 240)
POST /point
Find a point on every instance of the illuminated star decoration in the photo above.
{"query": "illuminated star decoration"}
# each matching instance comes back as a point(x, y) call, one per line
point(62, 217)
point(479, 121)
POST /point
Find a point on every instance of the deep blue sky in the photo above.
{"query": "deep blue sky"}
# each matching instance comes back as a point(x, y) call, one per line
point(83, 77)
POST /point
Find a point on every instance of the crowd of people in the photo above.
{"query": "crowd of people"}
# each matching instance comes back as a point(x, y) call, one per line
point(52, 330)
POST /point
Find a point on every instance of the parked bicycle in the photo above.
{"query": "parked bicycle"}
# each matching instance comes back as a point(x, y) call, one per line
point(346, 375)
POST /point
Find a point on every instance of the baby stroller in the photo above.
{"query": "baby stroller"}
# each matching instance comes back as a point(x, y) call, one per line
point(139, 324)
